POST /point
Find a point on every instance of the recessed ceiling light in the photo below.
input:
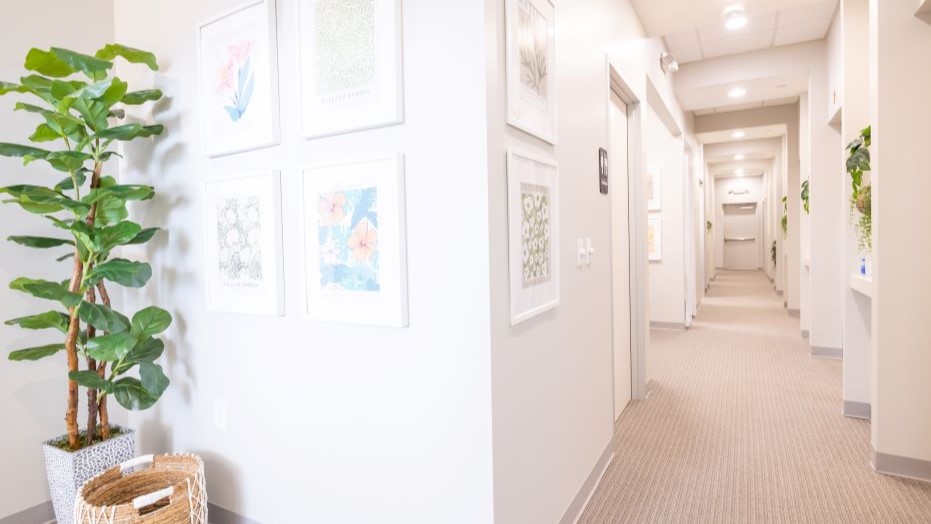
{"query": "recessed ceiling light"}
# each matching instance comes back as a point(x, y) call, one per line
point(737, 92)
point(735, 17)
point(739, 157)
point(739, 172)
point(738, 134)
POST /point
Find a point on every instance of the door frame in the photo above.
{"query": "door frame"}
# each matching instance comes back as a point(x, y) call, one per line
point(637, 225)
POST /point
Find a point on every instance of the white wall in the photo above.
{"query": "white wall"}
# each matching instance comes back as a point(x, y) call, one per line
point(328, 422)
point(552, 375)
point(667, 280)
point(804, 218)
point(901, 302)
point(33, 394)
point(827, 199)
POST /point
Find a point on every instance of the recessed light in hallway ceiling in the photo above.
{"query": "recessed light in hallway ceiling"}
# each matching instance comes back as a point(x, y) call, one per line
point(739, 157)
point(738, 134)
point(735, 17)
point(737, 92)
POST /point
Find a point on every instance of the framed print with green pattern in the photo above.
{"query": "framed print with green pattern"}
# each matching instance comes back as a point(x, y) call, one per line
point(533, 234)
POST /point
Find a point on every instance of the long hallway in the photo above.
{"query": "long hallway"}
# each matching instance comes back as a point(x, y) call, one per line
point(743, 425)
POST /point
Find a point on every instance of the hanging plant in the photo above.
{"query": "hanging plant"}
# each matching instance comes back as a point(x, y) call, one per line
point(861, 215)
point(772, 253)
point(805, 193)
point(785, 217)
point(708, 226)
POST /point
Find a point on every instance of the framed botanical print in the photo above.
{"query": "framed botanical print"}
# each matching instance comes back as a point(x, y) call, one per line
point(655, 238)
point(243, 241)
point(354, 234)
point(238, 69)
point(350, 65)
point(533, 234)
point(531, 67)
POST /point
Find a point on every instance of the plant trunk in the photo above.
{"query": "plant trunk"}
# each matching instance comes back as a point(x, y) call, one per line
point(71, 348)
point(91, 366)
point(102, 372)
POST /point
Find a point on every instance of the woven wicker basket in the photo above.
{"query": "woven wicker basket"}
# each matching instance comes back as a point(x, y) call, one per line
point(170, 489)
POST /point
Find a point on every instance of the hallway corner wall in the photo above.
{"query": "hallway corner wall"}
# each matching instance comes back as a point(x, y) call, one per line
point(328, 422)
point(552, 374)
point(901, 371)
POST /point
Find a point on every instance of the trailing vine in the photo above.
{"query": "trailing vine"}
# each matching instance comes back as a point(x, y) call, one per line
point(861, 215)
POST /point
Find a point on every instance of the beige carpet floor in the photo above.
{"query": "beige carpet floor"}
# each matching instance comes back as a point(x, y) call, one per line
point(743, 426)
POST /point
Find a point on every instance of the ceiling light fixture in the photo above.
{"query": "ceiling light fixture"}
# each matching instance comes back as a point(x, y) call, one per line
point(668, 63)
point(739, 157)
point(739, 172)
point(735, 17)
point(737, 92)
point(738, 134)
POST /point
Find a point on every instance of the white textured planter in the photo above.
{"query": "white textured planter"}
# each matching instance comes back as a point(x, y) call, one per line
point(68, 471)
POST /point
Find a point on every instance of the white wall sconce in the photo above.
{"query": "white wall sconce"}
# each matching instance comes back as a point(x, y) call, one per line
point(668, 63)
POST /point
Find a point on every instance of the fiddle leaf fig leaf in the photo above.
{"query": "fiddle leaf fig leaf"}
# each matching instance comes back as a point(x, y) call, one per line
point(91, 380)
point(103, 318)
point(150, 321)
point(89, 65)
point(110, 237)
point(132, 395)
point(153, 379)
point(47, 290)
point(121, 271)
point(47, 63)
point(9, 87)
point(130, 132)
point(130, 54)
point(140, 97)
point(110, 348)
point(36, 353)
point(144, 236)
point(16, 150)
point(40, 242)
point(47, 320)
point(149, 350)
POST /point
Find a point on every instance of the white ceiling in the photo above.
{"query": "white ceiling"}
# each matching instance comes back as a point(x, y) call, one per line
point(772, 23)
point(750, 133)
point(748, 105)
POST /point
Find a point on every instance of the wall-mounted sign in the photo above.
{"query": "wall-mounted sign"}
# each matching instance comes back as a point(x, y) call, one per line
point(603, 171)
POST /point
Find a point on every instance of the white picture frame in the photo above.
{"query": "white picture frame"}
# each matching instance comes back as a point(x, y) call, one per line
point(355, 242)
point(238, 80)
point(243, 244)
point(654, 188)
point(350, 66)
point(533, 234)
point(655, 238)
point(531, 66)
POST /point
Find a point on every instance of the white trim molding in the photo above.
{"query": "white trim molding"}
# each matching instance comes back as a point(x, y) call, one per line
point(905, 467)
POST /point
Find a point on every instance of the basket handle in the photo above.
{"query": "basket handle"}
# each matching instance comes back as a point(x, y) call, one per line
point(152, 498)
point(138, 461)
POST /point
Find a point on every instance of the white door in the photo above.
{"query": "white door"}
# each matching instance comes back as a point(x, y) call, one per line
point(620, 251)
point(740, 237)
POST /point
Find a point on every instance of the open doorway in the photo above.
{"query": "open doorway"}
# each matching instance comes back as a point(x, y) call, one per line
point(620, 250)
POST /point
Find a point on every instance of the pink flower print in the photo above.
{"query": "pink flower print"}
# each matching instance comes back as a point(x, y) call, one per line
point(241, 51)
point(332, 208)
point(364, 241)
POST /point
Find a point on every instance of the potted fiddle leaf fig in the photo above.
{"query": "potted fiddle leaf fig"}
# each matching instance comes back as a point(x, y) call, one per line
point(806, 192)
point(79, 105)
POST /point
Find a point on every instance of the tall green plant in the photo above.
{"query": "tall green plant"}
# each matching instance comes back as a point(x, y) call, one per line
point(80, 105)
point(785, 216)
point(858, 163)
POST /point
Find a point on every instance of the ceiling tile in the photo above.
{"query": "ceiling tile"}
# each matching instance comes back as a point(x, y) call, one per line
point(701, 112)
point(805, 32)
point(741, 44)
point(781, 101)
point(808, 13)
point(756, 24)
point(688, 38)
point(686, 54)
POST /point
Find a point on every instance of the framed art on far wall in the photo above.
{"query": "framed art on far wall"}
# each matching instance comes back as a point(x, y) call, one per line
point(238, 69)
point(531, 67)
point(533, 234)
point(355, 246)
point(350, 65)
point(655, 238)
point(243, 241)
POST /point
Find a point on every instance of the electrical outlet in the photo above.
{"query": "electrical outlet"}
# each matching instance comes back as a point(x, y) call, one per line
point(219, 414)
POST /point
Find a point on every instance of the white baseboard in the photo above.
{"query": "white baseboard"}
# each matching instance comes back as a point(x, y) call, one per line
point(574, 512)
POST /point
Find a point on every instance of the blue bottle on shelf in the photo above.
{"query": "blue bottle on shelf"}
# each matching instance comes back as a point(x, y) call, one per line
point(863, 266)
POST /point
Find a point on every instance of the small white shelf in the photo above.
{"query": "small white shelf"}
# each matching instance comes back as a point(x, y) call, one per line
point(862, 284)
